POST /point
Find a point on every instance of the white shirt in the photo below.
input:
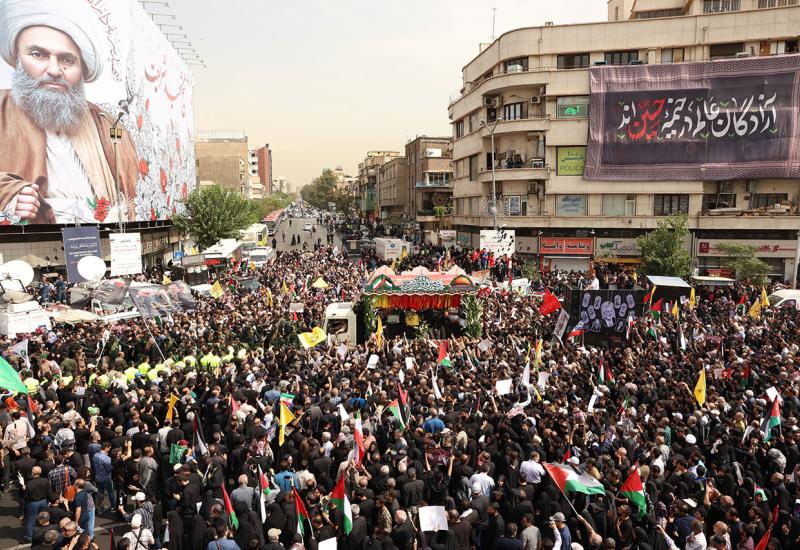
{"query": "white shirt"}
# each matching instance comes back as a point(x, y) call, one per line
point(533, 471)
point(486, 483)
point(698, 542)
point(68, 187)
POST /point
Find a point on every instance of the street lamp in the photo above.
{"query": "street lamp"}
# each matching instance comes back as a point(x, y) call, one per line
point(491, 129)
point(116, 137)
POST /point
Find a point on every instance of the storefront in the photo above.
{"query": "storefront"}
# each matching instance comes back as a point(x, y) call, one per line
point(618, 251)
point(777, 254)
point(565, 253)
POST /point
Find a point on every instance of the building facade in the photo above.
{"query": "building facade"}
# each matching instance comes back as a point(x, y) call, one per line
point(391, 193)
point(430, 184)
point(364, 192)
point(222, 157)
point(264, 168)
point(529, 90)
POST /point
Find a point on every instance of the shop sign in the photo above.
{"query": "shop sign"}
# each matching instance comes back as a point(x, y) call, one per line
point(764, 249)
point(566, 246)
point(618, 247)
point(570, 160)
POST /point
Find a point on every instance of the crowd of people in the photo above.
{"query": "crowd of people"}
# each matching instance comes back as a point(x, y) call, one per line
point(214, 429)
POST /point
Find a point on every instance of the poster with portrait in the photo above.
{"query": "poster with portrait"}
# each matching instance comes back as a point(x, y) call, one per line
point(96, 124)
point(607, 310)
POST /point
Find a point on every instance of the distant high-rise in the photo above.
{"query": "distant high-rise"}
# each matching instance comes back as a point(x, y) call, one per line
point(264, 156)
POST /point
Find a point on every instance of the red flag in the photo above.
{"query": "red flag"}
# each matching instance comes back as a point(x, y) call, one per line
point(33, 408)
point(11, 404)
point(234, 406)
point(234, 521)
point(442, 353)
point(657, 305)
point(741, 303)
point(550, 303)
point(775, 515)
point(111, 540)
point(294, 316)
point(762, 545)
point(567, 455)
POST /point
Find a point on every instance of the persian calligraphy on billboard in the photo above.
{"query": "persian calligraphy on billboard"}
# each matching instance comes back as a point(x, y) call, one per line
point(716, 120)
point(55, 135)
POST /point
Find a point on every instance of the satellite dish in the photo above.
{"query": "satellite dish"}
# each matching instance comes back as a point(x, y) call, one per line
point(91, 268)
point(17, 270)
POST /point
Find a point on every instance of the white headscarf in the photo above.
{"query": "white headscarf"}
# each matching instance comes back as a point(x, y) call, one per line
point(72, 17)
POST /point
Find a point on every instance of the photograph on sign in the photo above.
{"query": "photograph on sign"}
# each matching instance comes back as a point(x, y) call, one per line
point(140, 168)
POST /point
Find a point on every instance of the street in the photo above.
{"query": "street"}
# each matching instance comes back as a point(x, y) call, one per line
point(294, 227)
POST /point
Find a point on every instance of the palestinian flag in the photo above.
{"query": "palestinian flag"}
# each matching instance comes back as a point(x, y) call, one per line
point(394, 408)
point(605, 375)
point(632, 490)
point(199, 441)
point(404, 409)
point(302, 514)
point(567, 479)
point(759, 491)
point(624, 406)
point(567, 455)
point(655, 310)
point(234, 521)
point(772, 419)
point(648, 299)
point(741, 307)
point(629, 327)
point(651, 331)
point(339, 500)
point(265, 490)
point(681, 337)
point(358, 439)
point(444, 357)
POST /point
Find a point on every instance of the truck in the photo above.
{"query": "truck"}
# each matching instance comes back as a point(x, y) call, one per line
point(261, 255)
point(389, 249)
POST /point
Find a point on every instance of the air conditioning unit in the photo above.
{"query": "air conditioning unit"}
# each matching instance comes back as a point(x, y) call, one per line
point(537, 163)
point(491, 101)
point(536, 99)
point(752, 186)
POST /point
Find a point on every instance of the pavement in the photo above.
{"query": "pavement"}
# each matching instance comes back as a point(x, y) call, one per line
point(284, 232)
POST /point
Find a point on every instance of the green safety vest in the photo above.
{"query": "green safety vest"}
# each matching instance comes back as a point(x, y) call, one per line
point(32, 384)
point(130, 373)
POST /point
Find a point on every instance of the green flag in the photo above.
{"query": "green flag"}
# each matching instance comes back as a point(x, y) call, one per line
point(176, 453)
point(9, 378)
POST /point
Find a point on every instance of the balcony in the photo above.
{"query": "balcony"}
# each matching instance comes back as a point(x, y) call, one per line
point(534, 123)
point(434, 185)
point(515, 174)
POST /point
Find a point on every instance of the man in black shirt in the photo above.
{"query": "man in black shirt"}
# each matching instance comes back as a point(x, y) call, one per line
point(36, 491)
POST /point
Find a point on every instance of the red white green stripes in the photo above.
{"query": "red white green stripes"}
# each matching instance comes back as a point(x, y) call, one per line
point(339, 500)
point(567, 479)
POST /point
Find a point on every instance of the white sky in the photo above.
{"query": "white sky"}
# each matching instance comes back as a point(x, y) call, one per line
point(324, 81)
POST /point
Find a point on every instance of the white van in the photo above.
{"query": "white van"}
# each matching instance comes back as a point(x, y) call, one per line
point(784, 298)
point(261, 255)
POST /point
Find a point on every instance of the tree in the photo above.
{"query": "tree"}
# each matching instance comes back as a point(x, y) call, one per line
point(273, 202)
point(213, 213)
point(741, 258)
point(324, 189)
point(664, 250)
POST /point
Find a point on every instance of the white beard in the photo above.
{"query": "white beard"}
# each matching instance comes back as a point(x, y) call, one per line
point(53, 110)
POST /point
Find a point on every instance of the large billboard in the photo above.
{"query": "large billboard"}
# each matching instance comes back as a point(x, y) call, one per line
point(715, 120)
point(70, 69)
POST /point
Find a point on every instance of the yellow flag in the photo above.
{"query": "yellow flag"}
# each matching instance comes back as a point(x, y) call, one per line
point(700, 388)
point(320, 283)
point(217, 290)
point(379, 333)
point(269, 297)
point(691, 298)
point(165, 280)
point(285, 419)
point(755, 310)
point(538, 352)
point(284, 288)
point(764, 299)
point(675, 309)
point(311, 339)
point(394, 264)
point(404, 253)
point(172, 400)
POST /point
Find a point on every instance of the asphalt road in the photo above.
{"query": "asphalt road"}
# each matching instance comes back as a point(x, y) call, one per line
point(285, 231)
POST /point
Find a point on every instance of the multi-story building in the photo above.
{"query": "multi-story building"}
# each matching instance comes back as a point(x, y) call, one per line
point(391, 192)
point(280, 185)
point(367, 178)
point(222, 157)
point(430, 183)
point(530, 91)
point(264, 168)
point(344, 181)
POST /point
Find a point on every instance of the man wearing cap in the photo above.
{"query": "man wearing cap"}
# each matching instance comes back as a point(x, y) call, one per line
point(561, 534)
point(56, 156)
point(143, 508)
point(273, 538)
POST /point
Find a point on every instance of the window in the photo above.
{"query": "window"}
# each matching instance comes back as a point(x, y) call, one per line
point(491, 114)
point(616, 13)
point(619, 205)
point(460, 129)
point(516, 65)
point(572, 106)
point(621, 58)
point(790, 46)
point(573, 61)
point(655, 14)
point(664, 205)
point(473, 168)
point(571, 205)
point(473, 206)
point(438, 178)
point(672, 55)
point(473, 121)
point(489, 161)
point(767, 200)
point(775, 3)
point(719, 6)
point(515, 111)
point(516, 205)
point(721, 51)
point(718, 200)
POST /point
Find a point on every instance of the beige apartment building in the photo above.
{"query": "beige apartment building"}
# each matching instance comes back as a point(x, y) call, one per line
point(391, 192)
point(223, 158)
point(430, 184)
point(364, 189)
point(531, 88)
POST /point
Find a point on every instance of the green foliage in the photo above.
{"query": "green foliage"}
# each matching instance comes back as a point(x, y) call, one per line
point(474, 311)
point(439, 211)
point(664, 250)
point(422, 330)
point(324, 189)
point(272, 202)
point(741, 258)
point(530, 270)
point(213, 213)
point(370, 318)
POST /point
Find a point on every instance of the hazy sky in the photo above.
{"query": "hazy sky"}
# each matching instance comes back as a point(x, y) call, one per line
point(324, 81)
